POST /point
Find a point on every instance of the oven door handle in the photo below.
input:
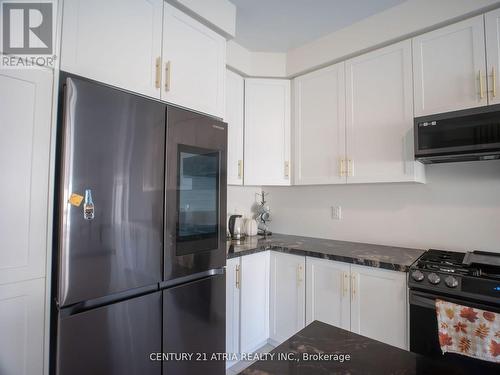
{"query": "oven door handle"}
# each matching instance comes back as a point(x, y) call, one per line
point(429, 301)
point(423, 300)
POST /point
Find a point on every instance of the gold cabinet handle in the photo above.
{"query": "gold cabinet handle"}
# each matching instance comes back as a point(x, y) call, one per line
point(287, 169)
point(342, 167)
point(240, 168)
point(238, 281)
point(345, 281)
point(350, 167)
point(481, 85)
point(158, 73)
point(353, 286)
point(493, 82)
point(168, 71)
point(300, 278)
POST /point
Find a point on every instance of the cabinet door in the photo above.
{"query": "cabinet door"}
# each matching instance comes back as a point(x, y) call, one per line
point(319, 135)
point(447, 65)
point(287, 296)
point(194, 63)
point(492, 28)
point(115, 41)
point(232, 306)
point(25, 117)
point(254, 316)
point(234, 118)
point(378, 304)
point(380, 116)
point(22, 326)
point(328, 292)
point(267, 131)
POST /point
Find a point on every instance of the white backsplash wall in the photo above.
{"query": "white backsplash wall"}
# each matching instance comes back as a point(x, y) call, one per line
point(241, 198)
point(458, 209)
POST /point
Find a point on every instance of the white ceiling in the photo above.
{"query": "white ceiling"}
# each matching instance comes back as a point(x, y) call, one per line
point(280, 25)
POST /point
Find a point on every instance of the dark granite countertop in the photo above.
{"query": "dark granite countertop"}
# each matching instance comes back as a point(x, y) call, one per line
point(388, 257)
point(367, 356)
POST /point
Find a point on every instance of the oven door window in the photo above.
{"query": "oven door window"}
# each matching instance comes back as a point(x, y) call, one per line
point(197, 200)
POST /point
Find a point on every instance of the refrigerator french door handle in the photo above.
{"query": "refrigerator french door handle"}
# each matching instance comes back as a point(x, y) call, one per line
point(193, 277)
point(107, 300)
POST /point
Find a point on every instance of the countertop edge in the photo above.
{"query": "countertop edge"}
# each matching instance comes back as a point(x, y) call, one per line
point(382, 264)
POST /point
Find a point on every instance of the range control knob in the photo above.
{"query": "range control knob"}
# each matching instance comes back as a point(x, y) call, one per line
point(417, 275)
point(451, 282)
point(433, 278)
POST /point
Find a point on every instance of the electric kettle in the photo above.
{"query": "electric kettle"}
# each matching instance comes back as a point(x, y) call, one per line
point(236, 227)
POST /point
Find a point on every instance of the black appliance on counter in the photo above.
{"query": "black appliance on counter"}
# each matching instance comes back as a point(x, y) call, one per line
point(470, 279)
point(465, 135)
point(140, 235)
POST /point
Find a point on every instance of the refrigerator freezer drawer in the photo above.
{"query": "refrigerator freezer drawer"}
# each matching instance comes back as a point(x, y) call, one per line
point(194, 321)
point(112, 340)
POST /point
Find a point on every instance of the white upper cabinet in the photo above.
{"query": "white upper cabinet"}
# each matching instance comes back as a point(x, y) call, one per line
point(379, 304)
point(328, 292)
point(492, 28)
point(194, 64)
point(287, 295)
point(449, 68)
point(235, 87)
point(319, 127)
point(115, 41)
point(379, 117)
point(25, 108)
point(267, 131)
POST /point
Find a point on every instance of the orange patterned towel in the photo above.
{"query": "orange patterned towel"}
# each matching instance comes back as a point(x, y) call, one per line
point(468, 331)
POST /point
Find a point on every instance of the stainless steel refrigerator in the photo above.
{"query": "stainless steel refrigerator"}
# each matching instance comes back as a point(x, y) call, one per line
point(139, 255)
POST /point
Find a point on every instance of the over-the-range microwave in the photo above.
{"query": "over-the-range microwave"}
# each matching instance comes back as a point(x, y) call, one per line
point(465, 135)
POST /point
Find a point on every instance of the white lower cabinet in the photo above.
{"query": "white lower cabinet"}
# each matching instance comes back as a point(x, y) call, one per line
point(273, 295)
point(233, 268)
point(22, 319)
point(379, 305)
point(254, 307)
point(287, 295)
point(328, 292)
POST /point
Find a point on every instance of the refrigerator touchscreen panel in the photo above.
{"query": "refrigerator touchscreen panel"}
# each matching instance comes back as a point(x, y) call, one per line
point(198, 200)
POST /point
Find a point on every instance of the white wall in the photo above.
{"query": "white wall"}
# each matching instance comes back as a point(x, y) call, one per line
point(395, 23)
point(240, 199)
point(458, 209)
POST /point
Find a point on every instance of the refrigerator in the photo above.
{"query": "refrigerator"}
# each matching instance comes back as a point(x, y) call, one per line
point(139, 235)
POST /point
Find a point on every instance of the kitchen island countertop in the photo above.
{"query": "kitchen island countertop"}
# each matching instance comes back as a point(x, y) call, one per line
point(366, 356)
point(379, 256)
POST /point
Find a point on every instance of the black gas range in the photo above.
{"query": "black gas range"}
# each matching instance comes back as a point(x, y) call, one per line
point(474, 275)
point(469, 279)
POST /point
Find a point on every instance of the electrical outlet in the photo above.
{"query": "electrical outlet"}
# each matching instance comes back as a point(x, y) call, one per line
point(336, 213)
